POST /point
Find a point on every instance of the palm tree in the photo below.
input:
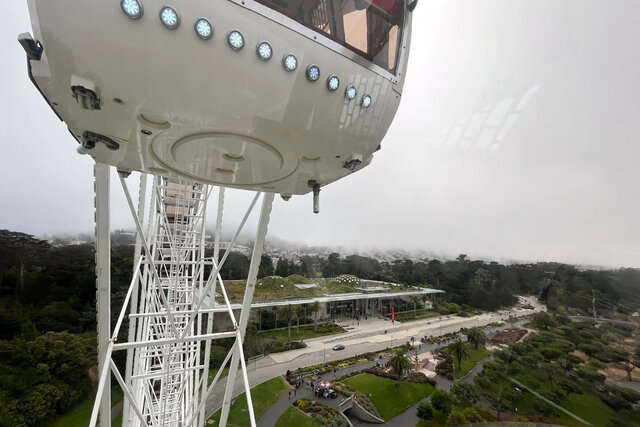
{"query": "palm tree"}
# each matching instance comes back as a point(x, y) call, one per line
point(414, 300)
point(315, 308)
point(298, 312)
point(458, 350)
point(287, 314)
point(477, 337)
point(400, 362)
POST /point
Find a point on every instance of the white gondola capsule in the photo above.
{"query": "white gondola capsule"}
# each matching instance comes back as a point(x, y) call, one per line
point(280, 120)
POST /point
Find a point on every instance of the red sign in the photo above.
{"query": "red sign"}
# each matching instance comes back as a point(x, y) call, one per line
point(393, 314)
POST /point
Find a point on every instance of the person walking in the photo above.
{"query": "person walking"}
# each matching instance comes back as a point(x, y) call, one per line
point(289, 394)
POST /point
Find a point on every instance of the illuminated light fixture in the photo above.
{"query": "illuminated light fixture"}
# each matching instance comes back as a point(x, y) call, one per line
point(333, 83)
point(132, 8)
point(313, 73)
point(351, 92)
point(204, 29)
point(169, 17)
point(365, 102)
point(290, 62)
point(235, 40)
point(264, 51)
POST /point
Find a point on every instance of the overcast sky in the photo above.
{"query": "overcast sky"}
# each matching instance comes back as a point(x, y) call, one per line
point(517, 138)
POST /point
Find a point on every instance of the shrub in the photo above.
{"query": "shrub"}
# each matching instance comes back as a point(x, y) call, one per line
point(367, 404)
point(615, 402)
point(473, 414)
point(419, 377)
point(589, 374)
point(456, 418)
point(465, 394)
point(425, 411)
point(442, 400)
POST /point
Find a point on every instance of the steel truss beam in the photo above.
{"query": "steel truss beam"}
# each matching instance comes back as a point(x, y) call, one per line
point(170, 305)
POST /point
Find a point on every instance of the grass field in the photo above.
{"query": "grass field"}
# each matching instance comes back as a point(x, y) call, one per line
point(263, 396)
point(586, 405)
point(468, 364)
point(295, 417)
point(389, 396)
point(213, 372)
point(589, 407)
point(306, 332)
point(81, 414)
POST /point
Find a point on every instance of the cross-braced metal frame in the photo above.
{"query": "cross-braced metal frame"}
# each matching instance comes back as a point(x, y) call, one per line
point(170, 305)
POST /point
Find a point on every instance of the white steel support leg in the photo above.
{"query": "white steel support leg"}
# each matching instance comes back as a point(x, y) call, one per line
point(103, 283)
point(244, 315)
point(212, 293)
point(128, 417)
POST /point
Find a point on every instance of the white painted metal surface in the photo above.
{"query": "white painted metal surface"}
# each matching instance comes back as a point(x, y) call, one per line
point(166, 382)
point(103, 281)
point(180, 106)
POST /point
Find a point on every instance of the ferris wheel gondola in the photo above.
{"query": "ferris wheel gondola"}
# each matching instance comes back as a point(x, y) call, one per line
point(267, 95)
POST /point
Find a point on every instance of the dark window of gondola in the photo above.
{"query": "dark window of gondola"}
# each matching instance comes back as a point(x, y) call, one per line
point(371, 28)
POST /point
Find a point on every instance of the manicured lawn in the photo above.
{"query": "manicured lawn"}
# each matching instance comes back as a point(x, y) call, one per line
point(306, 332)
point(78, 416)
point(117, 421)
point(263, 396)
point(469, 363)
point(213, 372)
point(389, 396)
point(81, 414)
point(295, 417)
point(589, 407)
point(586, 405)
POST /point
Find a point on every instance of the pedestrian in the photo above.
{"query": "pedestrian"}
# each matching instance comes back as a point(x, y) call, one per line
point(289, 394)
point(295, 392)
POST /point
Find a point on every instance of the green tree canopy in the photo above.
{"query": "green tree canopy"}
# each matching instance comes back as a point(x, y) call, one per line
point(459, 350)
point(477, 337)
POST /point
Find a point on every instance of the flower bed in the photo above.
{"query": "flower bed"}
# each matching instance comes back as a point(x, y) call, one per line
point(322, 369)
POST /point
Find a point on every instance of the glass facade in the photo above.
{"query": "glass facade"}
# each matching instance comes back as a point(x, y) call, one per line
point(371, 28)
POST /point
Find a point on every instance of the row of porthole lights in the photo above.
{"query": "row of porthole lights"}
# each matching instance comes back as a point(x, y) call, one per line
point(170, 18)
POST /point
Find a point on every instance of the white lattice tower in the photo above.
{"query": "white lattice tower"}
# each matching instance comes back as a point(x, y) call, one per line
point(171, 305)
point(165, 376)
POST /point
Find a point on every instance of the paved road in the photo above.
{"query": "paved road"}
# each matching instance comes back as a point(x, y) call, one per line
point(367, 337)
